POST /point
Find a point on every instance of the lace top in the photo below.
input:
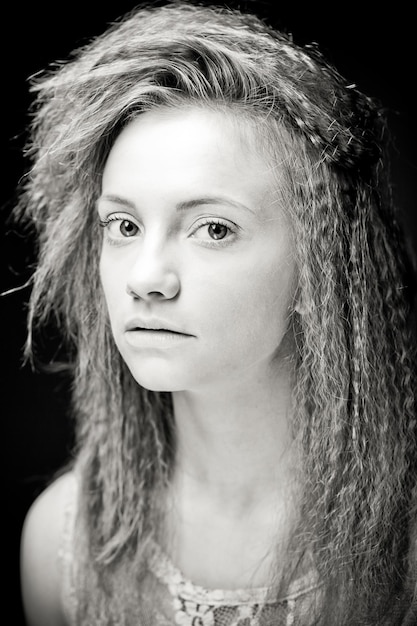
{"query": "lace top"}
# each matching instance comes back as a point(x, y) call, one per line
point(193, 605)
point(173, 599)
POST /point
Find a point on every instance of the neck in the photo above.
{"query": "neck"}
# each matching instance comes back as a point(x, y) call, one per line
point(230, 505)
point(234, 442)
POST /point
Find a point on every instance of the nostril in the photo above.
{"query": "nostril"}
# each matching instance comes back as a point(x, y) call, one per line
point(140, 290)
point(130, 292)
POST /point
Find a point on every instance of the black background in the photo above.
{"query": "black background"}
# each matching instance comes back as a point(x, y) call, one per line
point(373, 49)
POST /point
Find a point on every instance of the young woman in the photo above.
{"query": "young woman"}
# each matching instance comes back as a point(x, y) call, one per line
point(218, 245)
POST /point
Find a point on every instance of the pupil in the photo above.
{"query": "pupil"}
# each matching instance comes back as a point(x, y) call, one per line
point(217, 231)
point(127, 228)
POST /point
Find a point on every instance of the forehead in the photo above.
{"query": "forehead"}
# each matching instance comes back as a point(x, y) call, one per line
point(215, 146)
point(197, 127)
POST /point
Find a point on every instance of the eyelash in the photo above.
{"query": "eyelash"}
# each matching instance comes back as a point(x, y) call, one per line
point(214, 243)
point(232, 228)
point(105, 222)
point(114, 218)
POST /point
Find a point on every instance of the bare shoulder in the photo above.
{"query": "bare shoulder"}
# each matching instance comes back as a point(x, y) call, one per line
point(41, 541)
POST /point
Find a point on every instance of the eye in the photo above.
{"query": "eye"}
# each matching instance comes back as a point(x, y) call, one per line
point(211, 230)
point(128, 228)
point(217, 231)
point(119, 227)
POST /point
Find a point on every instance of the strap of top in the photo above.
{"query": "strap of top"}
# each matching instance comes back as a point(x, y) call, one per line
point(66, 553)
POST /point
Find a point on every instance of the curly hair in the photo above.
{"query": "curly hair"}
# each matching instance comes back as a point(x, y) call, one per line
point(354, 396)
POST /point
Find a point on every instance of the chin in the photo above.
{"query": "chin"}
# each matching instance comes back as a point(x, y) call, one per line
point(154, 386)
point(156, 380)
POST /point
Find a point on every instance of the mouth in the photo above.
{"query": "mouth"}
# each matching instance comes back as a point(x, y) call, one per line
point(155, 326)
point(139, 337)
point(141, 329)
point(154, 334)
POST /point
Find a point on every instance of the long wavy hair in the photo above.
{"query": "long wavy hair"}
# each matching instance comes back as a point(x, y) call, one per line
point(354, 395)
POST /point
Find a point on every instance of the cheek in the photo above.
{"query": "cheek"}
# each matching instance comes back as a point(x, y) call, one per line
point(250, 302)
point(269, 285)
point(112, 285)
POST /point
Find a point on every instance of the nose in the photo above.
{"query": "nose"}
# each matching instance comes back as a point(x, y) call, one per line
point(153, 275)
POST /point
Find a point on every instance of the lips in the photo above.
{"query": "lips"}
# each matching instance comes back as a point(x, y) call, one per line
point(139, 324)
point(159, 336)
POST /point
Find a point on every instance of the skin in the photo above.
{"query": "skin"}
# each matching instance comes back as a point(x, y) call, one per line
point(39, 565)
point(232, 295)
point(159, 260)
point(221, 271)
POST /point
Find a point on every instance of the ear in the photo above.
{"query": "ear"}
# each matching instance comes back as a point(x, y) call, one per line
point(298, 303)
point(300, 308)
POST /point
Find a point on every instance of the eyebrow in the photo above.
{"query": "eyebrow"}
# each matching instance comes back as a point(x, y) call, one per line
point(117, 200)
point(216, 200)
point(181, 206)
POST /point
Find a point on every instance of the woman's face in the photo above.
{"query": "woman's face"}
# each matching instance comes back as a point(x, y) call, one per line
point(196, 264)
